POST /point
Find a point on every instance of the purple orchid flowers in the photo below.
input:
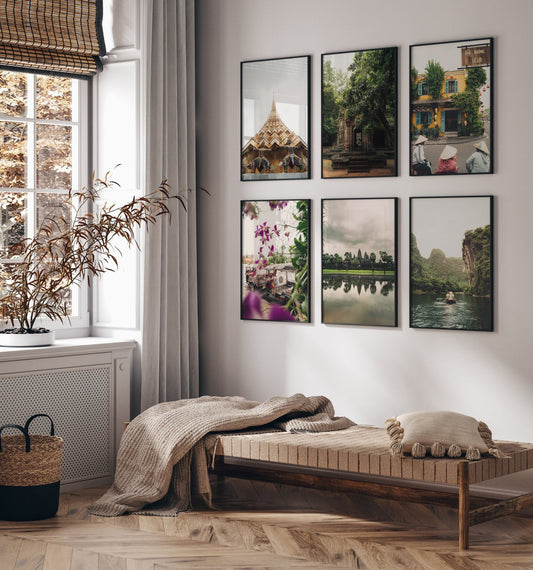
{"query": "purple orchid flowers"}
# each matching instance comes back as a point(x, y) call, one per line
point(251, 309)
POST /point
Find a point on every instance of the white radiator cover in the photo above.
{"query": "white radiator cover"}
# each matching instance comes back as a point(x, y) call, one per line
point(84, 386)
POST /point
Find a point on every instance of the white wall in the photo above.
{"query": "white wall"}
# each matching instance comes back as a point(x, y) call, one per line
point(369, 373)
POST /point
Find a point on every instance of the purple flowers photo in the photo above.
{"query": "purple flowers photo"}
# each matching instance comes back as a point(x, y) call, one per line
point(275, 260)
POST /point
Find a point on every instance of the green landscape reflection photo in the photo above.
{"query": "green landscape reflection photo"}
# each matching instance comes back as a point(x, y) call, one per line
point(359, 262)
point(451, 263)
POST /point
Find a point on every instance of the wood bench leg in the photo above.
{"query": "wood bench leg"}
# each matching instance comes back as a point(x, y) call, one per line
point(464, 504)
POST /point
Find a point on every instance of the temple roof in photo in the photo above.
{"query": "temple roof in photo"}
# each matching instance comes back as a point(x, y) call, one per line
point(274, 133)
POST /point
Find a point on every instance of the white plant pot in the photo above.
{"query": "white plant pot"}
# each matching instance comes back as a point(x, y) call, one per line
point(25, 340)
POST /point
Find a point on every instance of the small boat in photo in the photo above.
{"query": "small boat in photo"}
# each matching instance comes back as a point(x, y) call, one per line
point(450, 298)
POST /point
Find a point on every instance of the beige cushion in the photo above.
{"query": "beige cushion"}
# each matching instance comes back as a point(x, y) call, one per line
point(439, 434)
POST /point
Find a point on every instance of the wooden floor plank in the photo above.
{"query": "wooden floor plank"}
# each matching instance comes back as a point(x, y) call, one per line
point(57, 557)
point(151, 524)
point(111, 562)
point(9, 550)
point(307, 529)
point(84, 559)
point(84, 544)
point(31, 555)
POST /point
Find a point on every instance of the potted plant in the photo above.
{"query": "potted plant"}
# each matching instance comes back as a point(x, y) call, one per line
point(66, 251)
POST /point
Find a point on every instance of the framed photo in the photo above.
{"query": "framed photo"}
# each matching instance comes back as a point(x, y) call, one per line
point(451, 266)
point(359, 268)
point(275, 117)
point(359, 113)
point(451, 103)
point(275, 260)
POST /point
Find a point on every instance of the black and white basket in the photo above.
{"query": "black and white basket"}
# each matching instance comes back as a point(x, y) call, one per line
point(30, 473)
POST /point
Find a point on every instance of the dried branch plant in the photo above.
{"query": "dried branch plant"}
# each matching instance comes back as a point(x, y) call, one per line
point(64, 253)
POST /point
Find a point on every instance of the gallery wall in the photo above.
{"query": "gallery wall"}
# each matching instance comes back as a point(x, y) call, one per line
point(370, 373)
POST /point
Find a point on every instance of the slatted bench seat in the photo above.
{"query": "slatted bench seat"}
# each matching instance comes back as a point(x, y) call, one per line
point(337, 460)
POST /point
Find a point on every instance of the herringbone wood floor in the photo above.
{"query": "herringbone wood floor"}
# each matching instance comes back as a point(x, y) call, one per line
point(268, 526)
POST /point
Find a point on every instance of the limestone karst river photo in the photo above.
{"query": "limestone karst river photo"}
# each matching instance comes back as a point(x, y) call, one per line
point(451, 263)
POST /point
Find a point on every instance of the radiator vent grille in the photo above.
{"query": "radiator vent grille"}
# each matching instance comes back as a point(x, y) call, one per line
point(78, 400)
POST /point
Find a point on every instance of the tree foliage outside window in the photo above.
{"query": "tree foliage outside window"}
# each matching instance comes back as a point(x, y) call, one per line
point(38, 134)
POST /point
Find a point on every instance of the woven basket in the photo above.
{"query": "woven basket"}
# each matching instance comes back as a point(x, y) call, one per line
point(30, 473)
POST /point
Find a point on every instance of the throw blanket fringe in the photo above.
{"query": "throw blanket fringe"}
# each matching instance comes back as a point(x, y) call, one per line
point(163, 453)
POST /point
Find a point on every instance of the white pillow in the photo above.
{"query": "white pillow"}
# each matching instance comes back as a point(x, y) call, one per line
point(440, 433)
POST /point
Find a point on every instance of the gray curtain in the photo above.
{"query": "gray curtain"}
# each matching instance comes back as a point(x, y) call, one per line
point(170, 316)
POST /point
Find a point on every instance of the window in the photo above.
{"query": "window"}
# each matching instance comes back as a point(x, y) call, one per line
point(424, 118)
point(422, 88)
point(451, 86)
point(41, 140)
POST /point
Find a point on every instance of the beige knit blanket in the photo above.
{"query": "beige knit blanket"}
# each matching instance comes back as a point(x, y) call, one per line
point(163, 454)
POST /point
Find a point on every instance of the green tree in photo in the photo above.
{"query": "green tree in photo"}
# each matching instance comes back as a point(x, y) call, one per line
point(387, 260)
point(413, 85)
point(434, 78)
point(476, 78)
point(347, 259)
point(470, 105)
point(370, 96)
point(361, 262)
point(469, 101)
point(333, 83)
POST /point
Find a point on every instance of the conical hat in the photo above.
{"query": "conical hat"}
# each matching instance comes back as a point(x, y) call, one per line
point(421, 139)
point(448, 152)
point(482, 147)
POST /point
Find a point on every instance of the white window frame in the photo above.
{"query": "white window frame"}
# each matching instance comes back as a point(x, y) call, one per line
point(79, 322)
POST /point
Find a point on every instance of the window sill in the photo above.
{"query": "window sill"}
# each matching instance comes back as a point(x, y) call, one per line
point(66, 347)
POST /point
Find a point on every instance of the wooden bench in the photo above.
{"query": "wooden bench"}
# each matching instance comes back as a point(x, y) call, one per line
point(337, 461)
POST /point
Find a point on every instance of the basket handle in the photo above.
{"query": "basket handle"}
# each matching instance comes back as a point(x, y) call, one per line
point(24, 433)
point(27, 424)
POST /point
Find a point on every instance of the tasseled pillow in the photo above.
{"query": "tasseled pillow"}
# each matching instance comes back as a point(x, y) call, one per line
point(439, 434)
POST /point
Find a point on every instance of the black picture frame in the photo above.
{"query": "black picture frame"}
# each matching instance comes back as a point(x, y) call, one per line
point(276, 260)
point(359, 113)
point(451, 251)
point(360, 261)
point(451, 107)
point(276, 119)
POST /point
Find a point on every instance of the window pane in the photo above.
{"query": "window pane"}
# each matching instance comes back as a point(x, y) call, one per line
point(54, 157)
point(52, 207)
point(12, 221)
point(53, 98)
point(13, 155)
point(5, 273)
point(6, 270)
point(38, 159)
point(13, 88)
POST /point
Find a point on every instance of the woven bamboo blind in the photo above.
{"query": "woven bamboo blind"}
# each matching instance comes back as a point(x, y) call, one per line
point(61, 37)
